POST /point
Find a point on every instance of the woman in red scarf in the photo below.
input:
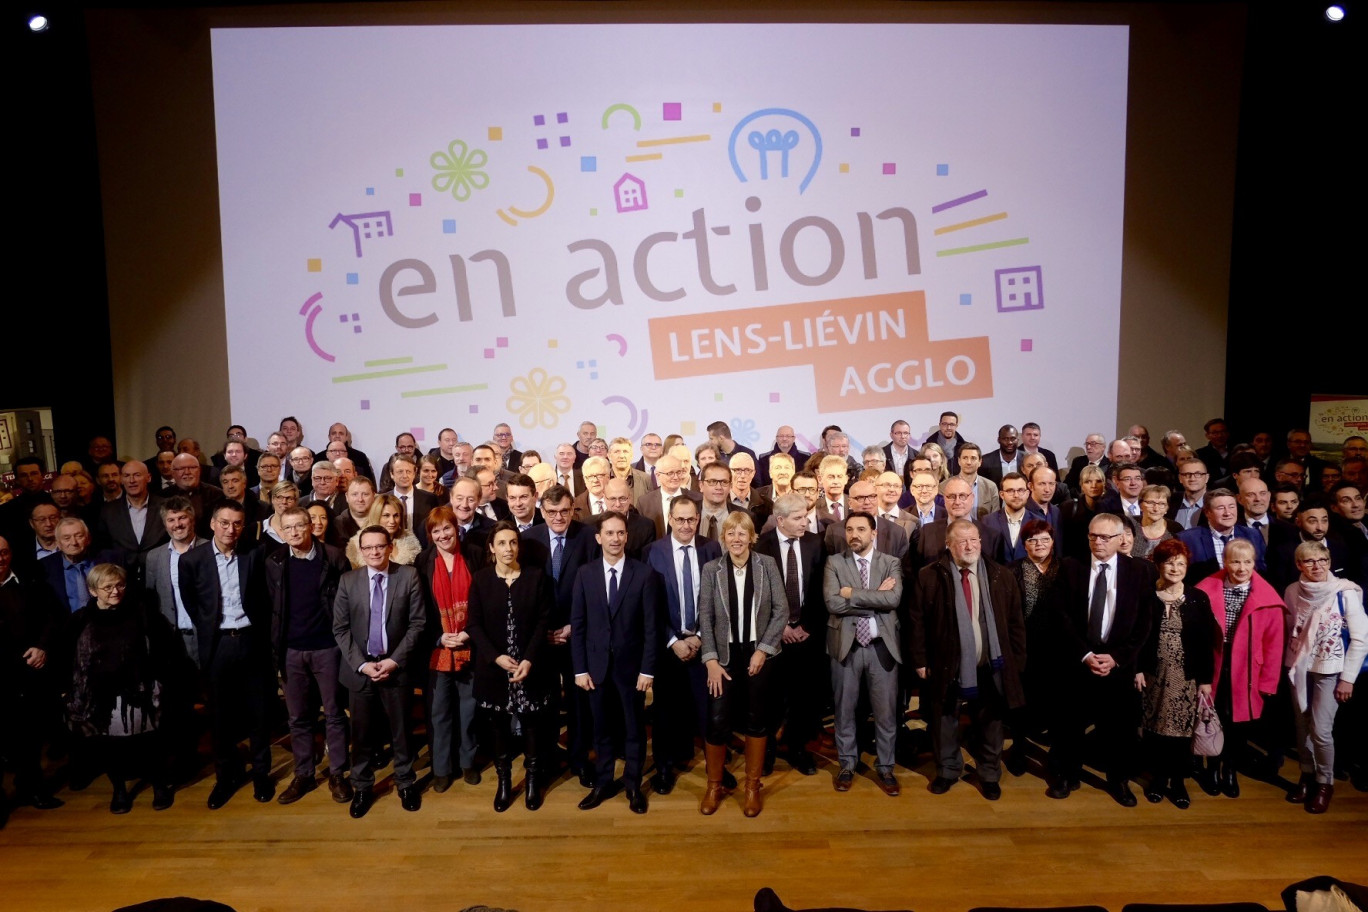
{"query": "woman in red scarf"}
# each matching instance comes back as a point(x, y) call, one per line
point(451, 695)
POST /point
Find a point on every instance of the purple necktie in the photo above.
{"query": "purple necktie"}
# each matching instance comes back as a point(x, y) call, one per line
point(375, 640)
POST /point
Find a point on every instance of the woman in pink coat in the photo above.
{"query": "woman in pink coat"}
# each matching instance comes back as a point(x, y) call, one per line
point(1249, 660)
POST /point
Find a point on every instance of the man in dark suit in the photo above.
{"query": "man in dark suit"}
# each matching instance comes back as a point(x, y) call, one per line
point(339, 432)
point(1008, 520)
point(613, 642)
point(931, 537)
point(325, 488)
point(233, 482)
point(1207, 542)
point(233, 632)
point(783, 443)
point(204, 497)
point(1312, 524)
point(716, 505)
point(65, 572)
point(1102, 624)
point(1217, 451)
point(1006, 458)
point(899, 451)
point(1095, 454)
point(1123, 496)
point(560, 546)
point(568, 472)
point(671, 476)
point(889, 537)
point(743, 492)
point(522, 502)
point(417, 504)
point(1030, 443)
point(617, 497)
point(681, 682)
point(1042, 484)
point(131, 524)
point(30, 629)
point(377, 620)
point(803, 686)
point(236, 452)
point(967, 637)
point(360, 494)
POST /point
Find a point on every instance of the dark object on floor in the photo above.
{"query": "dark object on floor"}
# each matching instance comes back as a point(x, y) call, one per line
point(768, 901)
point(177, 904)
point(1190, 907)
point(1314, 889)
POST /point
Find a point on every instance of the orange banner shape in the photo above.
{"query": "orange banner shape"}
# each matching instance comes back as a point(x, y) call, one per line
point(868, 352)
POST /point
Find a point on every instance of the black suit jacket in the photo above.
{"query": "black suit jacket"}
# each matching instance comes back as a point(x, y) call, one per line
point(579, 548)
point(1130, 621)
point(931, 542)
point(812, 556)
point(115, 530)
point(991, 467)
point(611, 638)
point(203, 599)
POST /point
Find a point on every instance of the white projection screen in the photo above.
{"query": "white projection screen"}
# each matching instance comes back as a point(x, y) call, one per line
point(660, 226)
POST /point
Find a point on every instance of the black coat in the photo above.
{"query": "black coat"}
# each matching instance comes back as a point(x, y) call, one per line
point(1201, 637)
point(487, 622)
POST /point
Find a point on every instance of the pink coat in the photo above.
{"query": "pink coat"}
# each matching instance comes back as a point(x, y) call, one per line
point(1256, 647)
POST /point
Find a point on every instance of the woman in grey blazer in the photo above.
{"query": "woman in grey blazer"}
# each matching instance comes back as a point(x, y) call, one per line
point(742, 611)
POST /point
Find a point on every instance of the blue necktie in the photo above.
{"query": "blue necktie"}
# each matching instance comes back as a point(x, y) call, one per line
point(689, 610)
point(557, 554)
point(375, 640)
point(612, 585)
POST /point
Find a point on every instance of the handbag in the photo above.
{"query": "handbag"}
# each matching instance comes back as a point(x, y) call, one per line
point(1207, 737)
point(1344, 631)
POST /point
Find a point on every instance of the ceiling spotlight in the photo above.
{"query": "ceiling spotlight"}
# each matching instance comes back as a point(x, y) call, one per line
point(40, 23)
point(1334, 13)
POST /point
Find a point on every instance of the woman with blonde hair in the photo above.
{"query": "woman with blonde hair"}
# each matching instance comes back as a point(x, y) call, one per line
point(388, 511)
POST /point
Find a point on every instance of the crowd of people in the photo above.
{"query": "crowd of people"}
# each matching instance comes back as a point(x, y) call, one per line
point(487, 602)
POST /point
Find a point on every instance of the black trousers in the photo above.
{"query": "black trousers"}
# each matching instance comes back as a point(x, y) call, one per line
point(679, 707)
point(1112, 704)
point(606, 695)
point(241, 693)
point(743, 704)
point(377, 710)
point(800, 690)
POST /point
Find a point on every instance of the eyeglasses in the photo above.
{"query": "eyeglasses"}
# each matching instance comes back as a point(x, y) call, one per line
point(959, 496)
point(111, 588)
point(1193, 474)
point(1316, 561)
point(374, 547)
point(716, 481)
point(549, 511)
point(595, 474)
point(1099, 537)
point(683, 520)
point(1040, 540)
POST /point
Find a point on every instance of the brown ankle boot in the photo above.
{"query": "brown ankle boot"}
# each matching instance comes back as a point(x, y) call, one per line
point(715, 762)
point(755, 765)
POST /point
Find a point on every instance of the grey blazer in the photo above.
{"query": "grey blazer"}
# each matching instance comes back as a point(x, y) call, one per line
point(158, 583)
point(841, 571)
point(714, 612)
point(405, 615)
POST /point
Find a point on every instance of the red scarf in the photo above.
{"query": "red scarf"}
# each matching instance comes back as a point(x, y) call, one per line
point(451, 591)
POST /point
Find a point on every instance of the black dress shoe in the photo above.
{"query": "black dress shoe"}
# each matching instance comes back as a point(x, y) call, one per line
point(1178, 794)
point(1059, 791)
point(663, 782)
point(361, 803)
point(1154, 792)
point(597, 795)
point(844, 780)
point(586, 778)
point(410, 798)
point(122, 802)
point(940, 785)
point(1121, 791)
point(1230, 783)
point(222, 791)
point(40, 800)
point(802, 761)
point(299, 787)
point(1206, 779)
point(992, 791)
point(263, 788)
point(636, 800)
point(163, 796)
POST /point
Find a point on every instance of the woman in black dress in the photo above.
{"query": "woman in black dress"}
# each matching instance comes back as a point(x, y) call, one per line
point(508, 610)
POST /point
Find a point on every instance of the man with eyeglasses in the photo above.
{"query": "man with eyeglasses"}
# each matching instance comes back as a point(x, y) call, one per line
point(681, 683)
point(1007, 522)
point(617, 498)
point(805, 485)
point(889, 536)
point(590, 502)
point(301, 581)
point(652, 448)
point(1123, 499)
point(233, 632)
point(512, 458)
point(959, 504)
point(378, 621)
point(716, 484)
point(889, 487)
point(655, 504)
point(1192, 477)
point(1094, 454)
point(924, 490)
point(559, 547)
point(1103, 623)
point(743, 492)
point(1208, 543)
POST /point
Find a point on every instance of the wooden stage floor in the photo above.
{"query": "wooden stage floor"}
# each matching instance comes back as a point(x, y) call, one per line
point(813, 845)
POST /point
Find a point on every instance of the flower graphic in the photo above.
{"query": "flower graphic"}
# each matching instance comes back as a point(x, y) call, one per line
point(538, 399)
point(743, 431)
point(458, 170)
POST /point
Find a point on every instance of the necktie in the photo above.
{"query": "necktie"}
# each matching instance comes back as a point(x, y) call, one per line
point(565, 480)
point(653, 478)
point(612, 585)
point(1225, 543)
point(557, 554)
point(598, 506)
point(864, 635)
point(1262, 528)
point(836, 511)
point(1098, 606)
point(791, 581)
point(968, 590)
point(688, 593)
point(375, 640)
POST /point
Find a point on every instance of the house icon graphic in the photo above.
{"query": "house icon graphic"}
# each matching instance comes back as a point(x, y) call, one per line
point(629, 193)
point(365, 225)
